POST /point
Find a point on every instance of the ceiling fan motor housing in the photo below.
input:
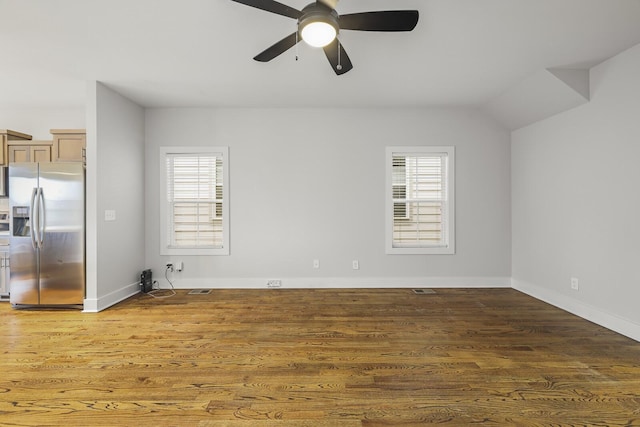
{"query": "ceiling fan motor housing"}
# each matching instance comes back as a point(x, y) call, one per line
point(315, 12)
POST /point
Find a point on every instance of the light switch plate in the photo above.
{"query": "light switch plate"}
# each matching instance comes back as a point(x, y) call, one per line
point(109, 215)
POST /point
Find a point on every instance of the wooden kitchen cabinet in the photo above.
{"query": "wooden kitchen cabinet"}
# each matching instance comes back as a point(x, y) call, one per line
point(6, 136)
point(32, 151)
point(69, 145)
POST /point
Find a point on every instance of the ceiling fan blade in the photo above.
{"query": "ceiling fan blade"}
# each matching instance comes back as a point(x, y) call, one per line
point(332, 4)
point(273, 7)
point(390, 20)
point(338, 57)
point(278, 48)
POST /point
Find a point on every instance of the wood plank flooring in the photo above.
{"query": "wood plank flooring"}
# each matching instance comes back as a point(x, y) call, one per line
point(317, 358)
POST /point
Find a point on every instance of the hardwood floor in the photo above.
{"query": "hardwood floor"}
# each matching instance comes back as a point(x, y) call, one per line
point(316, 358)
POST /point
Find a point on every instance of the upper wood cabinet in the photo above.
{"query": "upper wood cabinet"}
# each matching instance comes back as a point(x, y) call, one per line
point(7, 135)
point(69, 145)
point(31, 151)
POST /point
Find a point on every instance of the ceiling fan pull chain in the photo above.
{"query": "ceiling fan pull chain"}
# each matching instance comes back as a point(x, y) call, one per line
point(297, 44)
point(339, 66)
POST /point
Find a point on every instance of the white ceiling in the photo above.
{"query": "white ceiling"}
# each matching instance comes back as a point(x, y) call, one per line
point(199, 52)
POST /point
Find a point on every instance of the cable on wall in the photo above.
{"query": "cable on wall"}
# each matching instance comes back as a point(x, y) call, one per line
point(155, 282)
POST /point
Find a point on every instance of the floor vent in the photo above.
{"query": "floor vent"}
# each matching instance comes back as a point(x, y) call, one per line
point(200, 292)
point(424, 291)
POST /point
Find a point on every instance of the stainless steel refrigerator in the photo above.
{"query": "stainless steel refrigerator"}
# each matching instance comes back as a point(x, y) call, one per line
point(47, 237)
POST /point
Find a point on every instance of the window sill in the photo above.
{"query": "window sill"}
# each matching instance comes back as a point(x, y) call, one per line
point(421, 251)
point(194, 251)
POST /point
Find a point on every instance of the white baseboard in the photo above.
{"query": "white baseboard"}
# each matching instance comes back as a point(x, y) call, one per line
point(585, 311)
point(94, 305)
point(338, 282)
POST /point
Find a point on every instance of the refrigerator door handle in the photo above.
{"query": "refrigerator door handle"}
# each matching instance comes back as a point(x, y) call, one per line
point(42, 218)
point(34, 219)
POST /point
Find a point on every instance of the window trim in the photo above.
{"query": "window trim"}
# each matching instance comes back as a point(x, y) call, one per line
point(165, 249)
point(449, 249)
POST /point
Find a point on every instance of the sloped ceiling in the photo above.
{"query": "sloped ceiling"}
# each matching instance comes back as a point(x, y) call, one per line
point(541, 95)
point(163, 53)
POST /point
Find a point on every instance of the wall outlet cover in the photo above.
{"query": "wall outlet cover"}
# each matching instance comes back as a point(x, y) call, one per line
point(575, 284)
point(274, 283)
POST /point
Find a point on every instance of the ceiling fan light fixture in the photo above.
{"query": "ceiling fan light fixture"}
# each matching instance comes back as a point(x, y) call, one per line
point(318, 25)
point(318, 33)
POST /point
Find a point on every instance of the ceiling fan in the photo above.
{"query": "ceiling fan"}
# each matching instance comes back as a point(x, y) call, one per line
point(319, 25)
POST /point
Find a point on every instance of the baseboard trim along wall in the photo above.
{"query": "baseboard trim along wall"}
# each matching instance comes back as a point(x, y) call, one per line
point(585, 311)
point(94, 305)
point(336, 282)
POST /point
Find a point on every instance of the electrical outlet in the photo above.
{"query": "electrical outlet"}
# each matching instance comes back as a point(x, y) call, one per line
point(316, 263)
point(355, 264)
point(178, 266)
point(575, 284)
point(274, 283)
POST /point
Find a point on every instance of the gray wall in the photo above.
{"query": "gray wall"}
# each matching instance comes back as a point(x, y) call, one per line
point(309, 184)
point(115, 181)
point(576, 202)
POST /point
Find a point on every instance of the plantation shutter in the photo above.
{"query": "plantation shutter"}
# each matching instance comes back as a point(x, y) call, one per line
point(195, 198)
point(420, 200)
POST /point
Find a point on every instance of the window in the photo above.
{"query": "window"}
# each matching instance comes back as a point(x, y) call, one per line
point(420, 200)
point(194, 201)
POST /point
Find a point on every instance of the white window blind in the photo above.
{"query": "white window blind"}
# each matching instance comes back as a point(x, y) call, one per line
point(419, 198)
point(195, 204)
